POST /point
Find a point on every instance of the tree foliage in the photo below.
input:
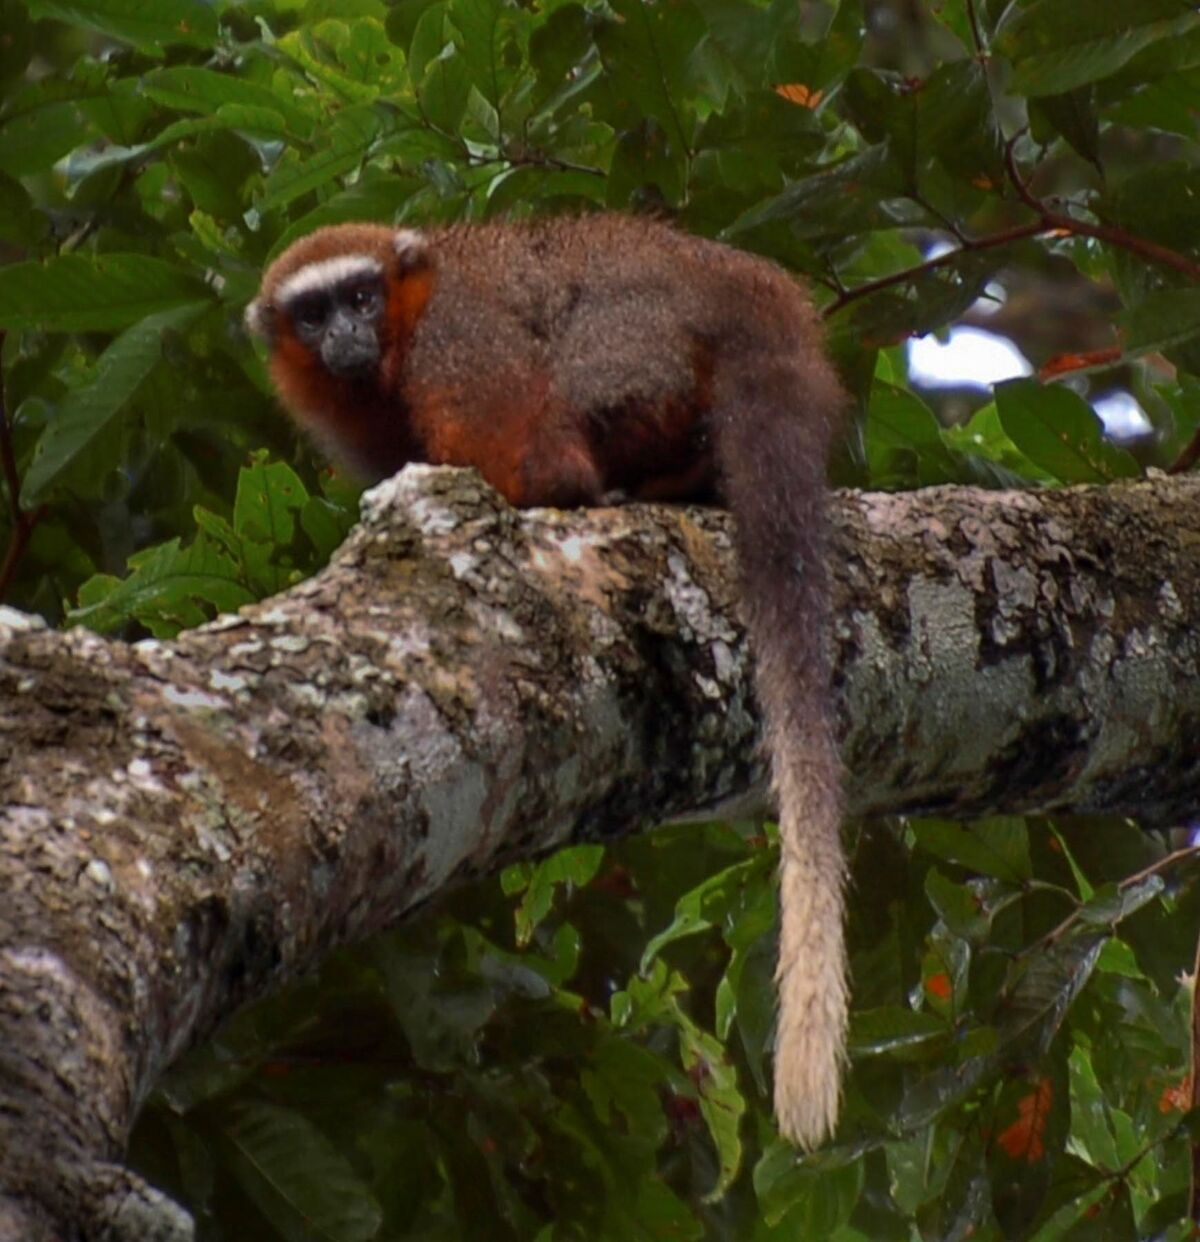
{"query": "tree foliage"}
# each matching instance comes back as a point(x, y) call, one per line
point(582, 1050)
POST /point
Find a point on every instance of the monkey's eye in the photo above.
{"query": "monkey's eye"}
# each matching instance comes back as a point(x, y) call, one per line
point(311, 315)
point(364, 299)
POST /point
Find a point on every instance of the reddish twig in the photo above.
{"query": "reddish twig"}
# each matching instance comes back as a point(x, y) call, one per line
point(1047, 221)
point(1188, 458)
point(1053, 221)
point(948, 259)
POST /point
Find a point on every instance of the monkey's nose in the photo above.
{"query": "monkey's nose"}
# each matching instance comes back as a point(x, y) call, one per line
point(350, 353)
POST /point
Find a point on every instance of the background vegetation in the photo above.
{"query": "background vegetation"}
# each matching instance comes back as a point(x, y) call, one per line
point(581, 1049)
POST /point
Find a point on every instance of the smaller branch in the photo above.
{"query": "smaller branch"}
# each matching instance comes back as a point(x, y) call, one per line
point(22, 534)
point(1155, 868)
point(8, 457)
point(23, 523)
point(1014, 175)
point(1141, 246)
point(969, 245)
point(1048, 221)
point(976, 29)
point(1123, 240)
point(1188, 458)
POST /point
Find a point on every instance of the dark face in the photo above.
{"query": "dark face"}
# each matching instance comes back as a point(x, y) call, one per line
point(342, 324)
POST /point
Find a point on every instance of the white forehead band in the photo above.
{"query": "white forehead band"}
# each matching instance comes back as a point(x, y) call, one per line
point(325, 273)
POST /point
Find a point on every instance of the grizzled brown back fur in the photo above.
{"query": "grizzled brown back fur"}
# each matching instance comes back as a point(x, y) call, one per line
point(578, 360)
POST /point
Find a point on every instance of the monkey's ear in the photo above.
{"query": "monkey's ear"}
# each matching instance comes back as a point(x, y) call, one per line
point(260, 319)
point(411, 248)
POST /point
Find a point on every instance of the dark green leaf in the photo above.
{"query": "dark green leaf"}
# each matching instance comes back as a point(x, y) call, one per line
point(1073, 115)
point(16, 44)
point(576, 866)
point(163, 590)
point(34, 138)
point(646, 52)
point(190, 88)
point(904, 441)
point(268, 494)
point(84, 293)
point(957, 906)
point(150, 27)
point(816, 1202)
point(1161, 320)
point(894, 1030)
point(87, 411)
point(998, 848)
point(852, 196)
point(1057, 45)
point(337, 149)
point(444, 91)
point(298, 1178)
point(1059, 432)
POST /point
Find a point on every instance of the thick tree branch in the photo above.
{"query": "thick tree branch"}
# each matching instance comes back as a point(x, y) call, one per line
point(183, 824)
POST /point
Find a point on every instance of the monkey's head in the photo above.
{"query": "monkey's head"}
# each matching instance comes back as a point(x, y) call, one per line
point(334, 301)
point(336, 310)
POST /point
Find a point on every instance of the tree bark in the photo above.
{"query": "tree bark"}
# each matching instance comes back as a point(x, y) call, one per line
point(184, 824)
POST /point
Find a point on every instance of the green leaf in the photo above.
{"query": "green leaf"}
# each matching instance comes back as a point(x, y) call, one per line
point(163, 590)
point(298, 1179)
point(149, 26)
point(1057, 45)
point(1030, 1125)
point(1000, 851)
point(190, 88)
point(557, 50)
point(816, 1201)
point(1168, 104)
point(483, 28)
point(20, 222)
point(89, 293)
point(1162, 319)
point(984, 439)
point(576, 865)
point(1073, 115)
point(895, 1030)
point(704, 906)
point(625, 1076)
point(326, 525)
point(1047, 984)
point(904, 441)
point(646, 52)
point(268, 494)
point(444, 90)
point(1060, 432)
point(957, 906)
point(1091, 1131)
point(33, 138)
point(88, 411)
point(338, 149)
point(947, 117)
point(722, 1103)
point(17, 44)
point(852, 196)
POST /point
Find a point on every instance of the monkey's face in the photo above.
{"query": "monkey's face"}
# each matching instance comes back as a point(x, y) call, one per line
point(340, 321)
point(333, 309)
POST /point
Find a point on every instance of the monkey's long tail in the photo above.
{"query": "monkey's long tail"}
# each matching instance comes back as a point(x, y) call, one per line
point(774, 423)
